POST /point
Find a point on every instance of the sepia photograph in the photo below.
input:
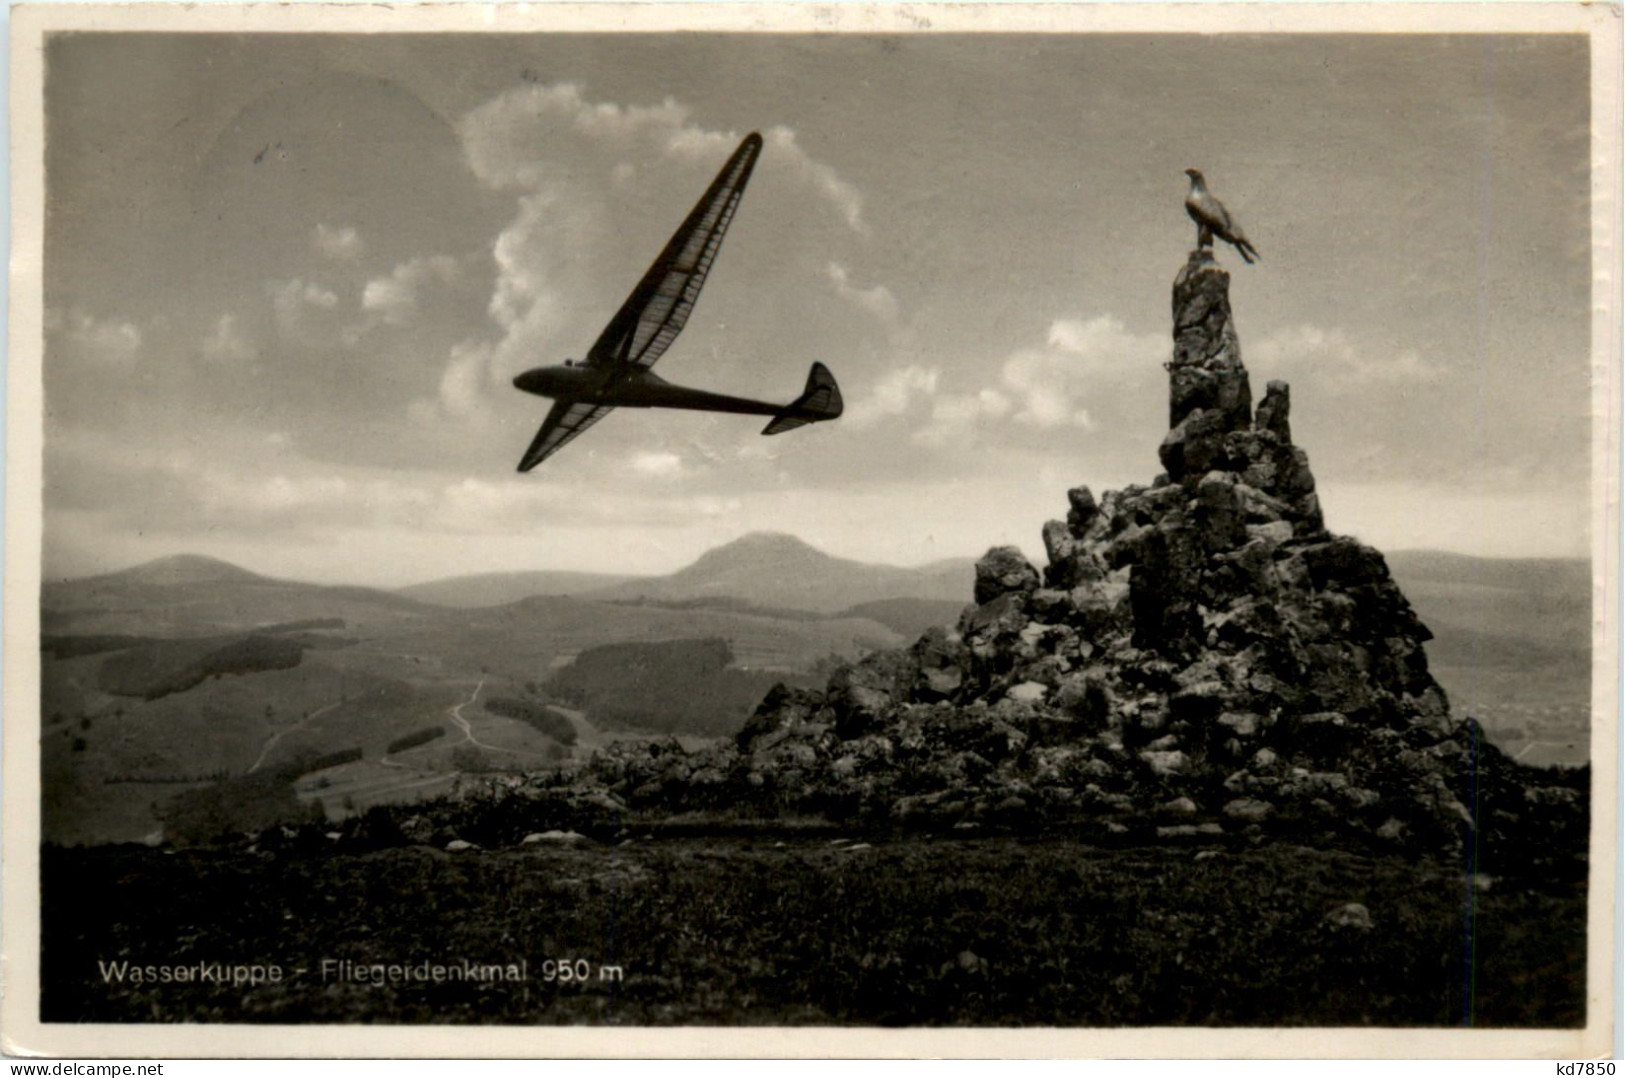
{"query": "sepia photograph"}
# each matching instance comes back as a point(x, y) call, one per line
point(874, 523)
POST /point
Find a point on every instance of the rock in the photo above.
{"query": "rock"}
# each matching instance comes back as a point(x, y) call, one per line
point(457, 845)
point(1241, 723)
point(1166, 763)
point(1219, 513)
point(1249, 809)
point(1344, 562)
point(1206, 370)
point(1003, 571)
point(1273, 411)
point(1082, 510)
point(1001, 618)
point(1179, 806)
point(1195, 445)
point(1189, 830)
point(553, 838)
point(1274, 532)
point(940, 684)
point(782, 708)
point(1027, 692)
point(1084, 698)
point(1351, 916)
point(602, 800)
point(861, 695)
point(1322, 735)
point(1059, 542)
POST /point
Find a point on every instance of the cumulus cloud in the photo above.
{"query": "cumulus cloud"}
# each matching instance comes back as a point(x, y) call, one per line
point(894, 394)
point(1046, 386)
point(110, 341)
point(463, 382)
point(842, 194)
point(510, 142)
point(1106, 349)
point(1044, 383)
point(395, 298)
point(1334, 357)
point(226, 343)
point(954, 414)
point(340, 244)
point(877, 300)
point(595, 183)
point(294, 300)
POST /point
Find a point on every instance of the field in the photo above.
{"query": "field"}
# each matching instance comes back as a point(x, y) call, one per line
point(810, 929)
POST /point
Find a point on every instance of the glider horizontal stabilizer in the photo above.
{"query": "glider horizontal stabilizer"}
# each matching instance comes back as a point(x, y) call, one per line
point(820, 401)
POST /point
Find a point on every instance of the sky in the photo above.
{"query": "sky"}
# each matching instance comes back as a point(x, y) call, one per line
point(289, 280)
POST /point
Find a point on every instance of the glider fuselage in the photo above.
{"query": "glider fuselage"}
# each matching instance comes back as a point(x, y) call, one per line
point(632, 389)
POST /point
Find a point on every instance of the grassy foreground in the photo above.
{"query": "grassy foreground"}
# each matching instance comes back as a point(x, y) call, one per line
point(916, 931)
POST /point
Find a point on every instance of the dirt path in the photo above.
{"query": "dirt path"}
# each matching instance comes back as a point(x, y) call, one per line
point(456, 714)
point(270, 742)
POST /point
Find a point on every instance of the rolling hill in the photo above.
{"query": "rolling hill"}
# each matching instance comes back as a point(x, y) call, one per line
point(496, 589)
point(770, 569)
point(188, 595)
point(154, 685)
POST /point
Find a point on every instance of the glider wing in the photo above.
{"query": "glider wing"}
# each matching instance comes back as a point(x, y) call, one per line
point(564, 422)
point(658, 308)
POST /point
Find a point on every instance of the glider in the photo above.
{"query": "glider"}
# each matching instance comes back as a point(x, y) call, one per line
point(1212, 219)
point(616, 372)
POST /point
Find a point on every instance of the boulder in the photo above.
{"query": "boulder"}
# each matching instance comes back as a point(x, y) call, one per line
point(1004, 570)
point(1248, 809)
point(1082, 510)
point(1273, 412)
point(1166, 762)
point(553, 838)
point(1349, 917)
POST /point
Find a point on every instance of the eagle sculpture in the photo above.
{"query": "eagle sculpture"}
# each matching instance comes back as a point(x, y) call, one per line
point(1212, 219)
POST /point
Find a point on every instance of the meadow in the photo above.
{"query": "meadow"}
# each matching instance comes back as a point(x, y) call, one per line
point(803, 928)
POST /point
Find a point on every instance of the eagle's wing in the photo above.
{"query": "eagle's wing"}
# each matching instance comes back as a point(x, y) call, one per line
point(659, 306)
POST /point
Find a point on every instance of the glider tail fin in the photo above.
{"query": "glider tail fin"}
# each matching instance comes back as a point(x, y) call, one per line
point(820, 401)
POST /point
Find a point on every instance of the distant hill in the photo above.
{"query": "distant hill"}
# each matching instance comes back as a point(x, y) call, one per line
point(769, 569)
point(495, 589)
point(188, 594)
point(1511, 645)
point(175, 569)
point(1546, 601)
